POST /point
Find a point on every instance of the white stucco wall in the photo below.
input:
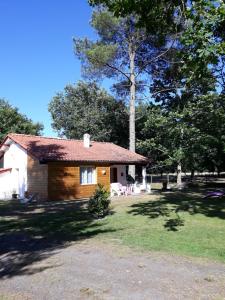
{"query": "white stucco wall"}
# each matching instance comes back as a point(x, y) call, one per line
point(16, 158)
point(6, 185)
point(121, 169)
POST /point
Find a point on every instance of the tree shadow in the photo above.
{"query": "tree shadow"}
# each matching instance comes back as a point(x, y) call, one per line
point(46, 152)
point(31, 233)
point(171, 204)
point(173, 224)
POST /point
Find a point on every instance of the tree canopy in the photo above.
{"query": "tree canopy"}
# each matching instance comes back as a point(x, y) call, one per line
point(157, 16)
point(86, 108)
point(195, 136)
point(170, 55)
point(126, 53)
point(187, 82)
point(12, 121)
point(204, 37)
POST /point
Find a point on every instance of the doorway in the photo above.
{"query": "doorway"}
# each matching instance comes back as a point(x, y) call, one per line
point(113, 175)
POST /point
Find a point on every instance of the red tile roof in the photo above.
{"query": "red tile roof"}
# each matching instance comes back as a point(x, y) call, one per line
point(5, 170)
point(55, 149)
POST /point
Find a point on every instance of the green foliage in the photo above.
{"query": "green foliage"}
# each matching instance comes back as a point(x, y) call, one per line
point(110, 55)
point(204, 35)
point(157, 16)
point(207, 116)
point(195, 136)
point(162, 138)
point(123, 52)
point(98, 204)
point(12, 121)
point(105, 24)
point(94, 57)
point(97, 56)
point(187, 76)
point(100, 55)
point(188, 84)
point(86, 108)
point(200, 25)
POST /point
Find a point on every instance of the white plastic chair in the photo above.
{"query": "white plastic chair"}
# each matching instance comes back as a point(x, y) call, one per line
point(117, 188)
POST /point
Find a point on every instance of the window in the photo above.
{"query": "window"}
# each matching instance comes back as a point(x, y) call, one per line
point(87, 175)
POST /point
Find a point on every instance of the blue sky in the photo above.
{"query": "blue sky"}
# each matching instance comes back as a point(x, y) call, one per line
point(36, 52)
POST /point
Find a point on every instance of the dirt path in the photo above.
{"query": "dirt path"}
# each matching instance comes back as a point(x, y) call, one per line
point(95, 271)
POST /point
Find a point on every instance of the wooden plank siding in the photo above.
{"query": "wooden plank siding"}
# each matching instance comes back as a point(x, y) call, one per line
point(37, 178)
point(64, 181)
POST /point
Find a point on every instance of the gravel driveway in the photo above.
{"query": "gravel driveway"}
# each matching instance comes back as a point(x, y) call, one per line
point(92, 270)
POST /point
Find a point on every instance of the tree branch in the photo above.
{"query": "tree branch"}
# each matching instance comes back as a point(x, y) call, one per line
point(163, 90)
point(156, 58)
point(164, 152)
point(118, 70)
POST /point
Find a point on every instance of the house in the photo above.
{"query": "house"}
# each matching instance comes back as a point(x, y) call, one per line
point(59, 169)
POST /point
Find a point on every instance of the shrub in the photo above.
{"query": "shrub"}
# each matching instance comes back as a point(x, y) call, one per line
point(98, 204)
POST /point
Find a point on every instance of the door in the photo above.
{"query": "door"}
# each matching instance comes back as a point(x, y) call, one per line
point(113, 175)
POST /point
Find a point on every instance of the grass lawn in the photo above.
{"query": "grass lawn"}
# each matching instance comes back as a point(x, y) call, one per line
point(179, 223)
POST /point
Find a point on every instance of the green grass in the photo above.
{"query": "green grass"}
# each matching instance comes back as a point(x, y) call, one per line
point(59, 221)
point(180, 223)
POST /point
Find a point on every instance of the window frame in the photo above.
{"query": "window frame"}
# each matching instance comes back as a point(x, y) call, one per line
point(94, 175)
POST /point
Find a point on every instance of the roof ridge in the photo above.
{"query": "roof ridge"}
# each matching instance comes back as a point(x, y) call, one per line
point(43, 137)
point(58, 138)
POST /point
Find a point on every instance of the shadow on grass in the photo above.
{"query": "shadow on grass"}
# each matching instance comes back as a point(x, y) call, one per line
point(173, 203)
point(30, 234)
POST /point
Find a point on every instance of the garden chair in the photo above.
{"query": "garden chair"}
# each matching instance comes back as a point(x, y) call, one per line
point(118, 189)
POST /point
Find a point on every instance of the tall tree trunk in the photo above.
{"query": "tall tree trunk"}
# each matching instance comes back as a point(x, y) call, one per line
point(179, 169)
point(132, 135)
point(179, 177)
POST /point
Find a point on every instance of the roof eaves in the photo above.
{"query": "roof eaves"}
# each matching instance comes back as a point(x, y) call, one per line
point(24, 148)
point(127, 162)
point(5, 170)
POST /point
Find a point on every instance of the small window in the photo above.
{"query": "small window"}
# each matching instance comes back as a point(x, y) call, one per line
point(87, 175)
